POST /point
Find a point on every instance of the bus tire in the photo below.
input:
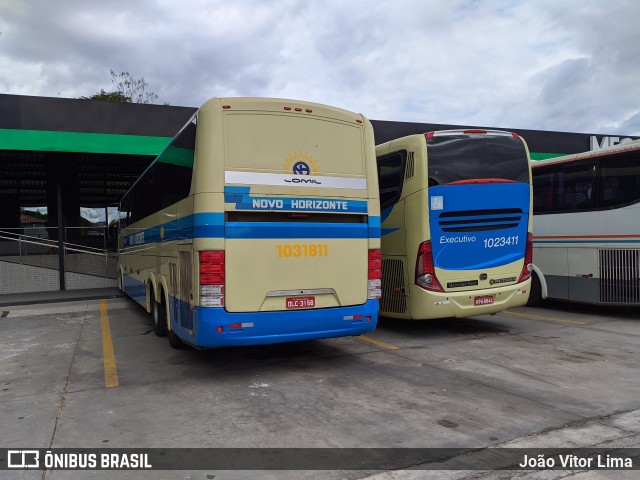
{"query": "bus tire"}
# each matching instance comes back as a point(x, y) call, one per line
point(535, 297)
point(159, 313)
point(175, 341)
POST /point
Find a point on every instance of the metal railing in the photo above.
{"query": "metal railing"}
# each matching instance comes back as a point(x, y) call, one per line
point(40, 247)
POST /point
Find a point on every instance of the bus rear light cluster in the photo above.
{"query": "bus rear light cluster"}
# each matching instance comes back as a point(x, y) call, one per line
point(374, 289)
point(212, 278)
point(298, 109)
point(475, 132)
point(528, 259)
point(425, 270)
point(470, 131)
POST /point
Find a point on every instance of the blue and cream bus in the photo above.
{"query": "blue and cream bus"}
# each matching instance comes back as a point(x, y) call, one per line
point(259, 223)
point(456, 223)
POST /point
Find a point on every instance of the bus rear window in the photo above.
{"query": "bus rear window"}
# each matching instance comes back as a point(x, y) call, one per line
point(476, 157)
point(293, 144)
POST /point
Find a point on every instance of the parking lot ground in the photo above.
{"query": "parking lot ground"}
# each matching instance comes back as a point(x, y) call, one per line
point(558, 376)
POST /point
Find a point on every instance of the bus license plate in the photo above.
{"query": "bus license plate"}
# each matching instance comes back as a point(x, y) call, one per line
point(301, 302)
point(486, 300)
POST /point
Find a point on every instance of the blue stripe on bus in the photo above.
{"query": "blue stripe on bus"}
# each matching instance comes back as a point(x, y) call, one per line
point(239, 190)
point(135, 289)
point(259, 328)
point(384, 215)
point(242, 200)
point(199, 225)
point(275, 327)
point(212, 225)
point(208, 225)
point(386, 212)
point(374, 227)
point(235, 194)
point(295, 230)
point(208, 231)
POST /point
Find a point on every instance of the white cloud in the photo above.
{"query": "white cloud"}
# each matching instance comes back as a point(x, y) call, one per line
point(571, 65)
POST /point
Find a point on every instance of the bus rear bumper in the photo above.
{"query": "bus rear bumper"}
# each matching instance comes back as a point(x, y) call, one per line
point(260, 328)
point(430, 305)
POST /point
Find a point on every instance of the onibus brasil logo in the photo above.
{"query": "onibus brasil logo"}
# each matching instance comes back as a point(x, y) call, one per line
point(303, 164)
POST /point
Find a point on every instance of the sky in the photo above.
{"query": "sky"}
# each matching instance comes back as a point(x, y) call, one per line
point(559, 65)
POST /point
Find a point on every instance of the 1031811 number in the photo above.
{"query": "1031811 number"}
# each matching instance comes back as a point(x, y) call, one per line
point(497, 242)
point(303, 250)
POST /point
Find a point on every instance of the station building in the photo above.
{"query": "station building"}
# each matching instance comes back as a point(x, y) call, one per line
point(65, 164)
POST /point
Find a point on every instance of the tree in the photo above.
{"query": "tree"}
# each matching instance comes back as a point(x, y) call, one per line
point(133, 88)
point(128, 89)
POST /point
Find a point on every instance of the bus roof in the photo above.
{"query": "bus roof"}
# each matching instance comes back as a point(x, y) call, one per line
point(443, 133)
point(284, 105)
point(470, 131)
point(603, 152)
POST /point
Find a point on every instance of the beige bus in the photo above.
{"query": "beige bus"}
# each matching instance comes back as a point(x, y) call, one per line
point(259, 223)
point(456, 224)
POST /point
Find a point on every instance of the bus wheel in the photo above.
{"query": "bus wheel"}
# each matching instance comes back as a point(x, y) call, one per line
point(535, 297)
point(175, 341)
point(159, 313)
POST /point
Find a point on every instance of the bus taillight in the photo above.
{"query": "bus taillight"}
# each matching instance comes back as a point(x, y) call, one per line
point(212, 278)
point(375, 274)
point(528, 259)
point(475, 132)
point(425, 270)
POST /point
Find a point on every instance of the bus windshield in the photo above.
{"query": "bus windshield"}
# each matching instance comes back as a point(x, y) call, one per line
point(459, 158)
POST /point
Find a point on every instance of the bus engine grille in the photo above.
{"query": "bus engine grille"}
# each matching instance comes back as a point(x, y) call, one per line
point(480, 220)
point(393, 290)
point(619, 276)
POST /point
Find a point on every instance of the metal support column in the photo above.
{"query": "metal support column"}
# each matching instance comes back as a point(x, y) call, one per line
point(60, 229)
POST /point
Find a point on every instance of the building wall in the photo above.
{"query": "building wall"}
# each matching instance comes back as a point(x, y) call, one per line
point(57, 149)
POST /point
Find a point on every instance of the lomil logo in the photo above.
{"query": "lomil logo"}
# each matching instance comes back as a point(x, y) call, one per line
point(302, 180)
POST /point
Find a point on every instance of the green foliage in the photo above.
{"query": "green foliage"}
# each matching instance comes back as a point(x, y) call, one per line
point(35, 214)
point(108, 97)
point(85, 222)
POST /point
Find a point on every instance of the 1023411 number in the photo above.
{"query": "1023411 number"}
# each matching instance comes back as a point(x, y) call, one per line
point(496, 242)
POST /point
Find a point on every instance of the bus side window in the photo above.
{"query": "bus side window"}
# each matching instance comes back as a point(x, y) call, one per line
point(391, 177)
point(580, 191)
point(548, 190)
point(619, 181)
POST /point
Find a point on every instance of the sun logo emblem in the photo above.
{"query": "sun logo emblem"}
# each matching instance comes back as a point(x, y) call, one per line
point(300, 163)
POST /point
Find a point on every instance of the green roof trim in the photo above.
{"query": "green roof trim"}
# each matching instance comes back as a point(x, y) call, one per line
point(543, 156)
point(182, 157)
point(49, 141)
